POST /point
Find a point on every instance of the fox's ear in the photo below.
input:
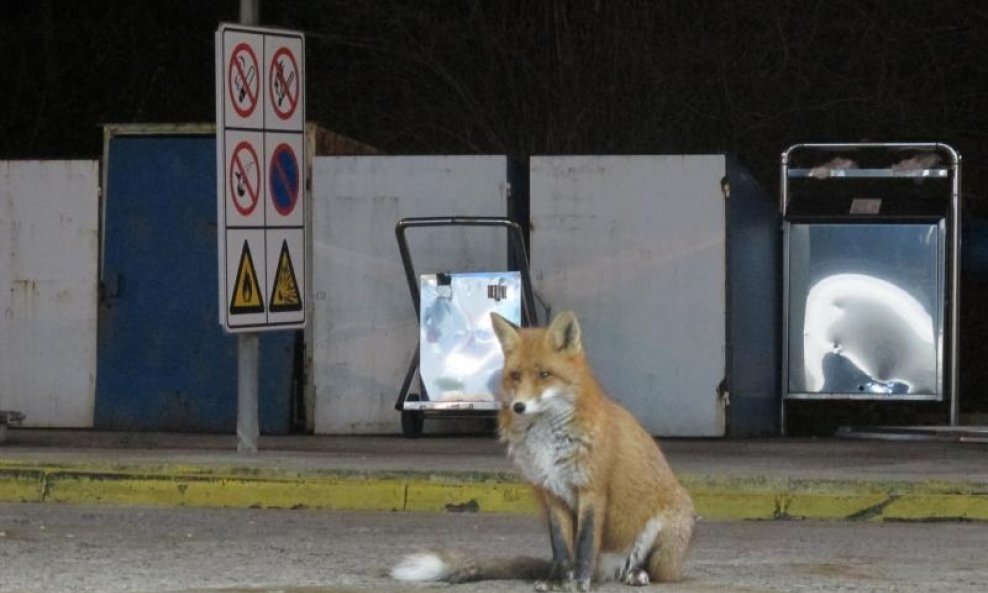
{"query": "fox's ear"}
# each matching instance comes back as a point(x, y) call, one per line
point(564, 333)
point(507, 332)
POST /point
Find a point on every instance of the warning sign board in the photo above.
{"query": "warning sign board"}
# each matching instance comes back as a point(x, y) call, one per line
point(243, 283)
point(284, 293)
point(247, 296)
point(261, 173)
point(284, 180)
point(245, 177)
point(245, 80)
point(285, 83)
point(286, 274)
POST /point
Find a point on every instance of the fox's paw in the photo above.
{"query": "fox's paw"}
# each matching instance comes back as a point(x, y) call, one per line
point(560, 571)
point(560, 578)
point(583, 585)
point(636, 578)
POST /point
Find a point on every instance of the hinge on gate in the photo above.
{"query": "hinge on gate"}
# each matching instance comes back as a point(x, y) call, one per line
point(723, 392)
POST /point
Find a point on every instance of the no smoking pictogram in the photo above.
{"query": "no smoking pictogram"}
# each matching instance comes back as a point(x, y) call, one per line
point(284, 179)
point(245, 178)
point(244, 83)
point(284, 83)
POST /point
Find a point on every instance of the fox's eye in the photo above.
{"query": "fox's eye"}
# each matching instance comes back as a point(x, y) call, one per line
point(514, 376)
point(544, 375)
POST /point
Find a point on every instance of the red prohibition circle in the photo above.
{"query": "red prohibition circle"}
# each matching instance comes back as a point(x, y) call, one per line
point(243, 82)
point(283, 101)
point(242, 183)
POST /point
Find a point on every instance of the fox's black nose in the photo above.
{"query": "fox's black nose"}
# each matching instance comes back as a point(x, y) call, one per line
point(519, 408)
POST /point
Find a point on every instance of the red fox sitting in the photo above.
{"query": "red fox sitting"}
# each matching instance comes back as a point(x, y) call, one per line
point(614, 508)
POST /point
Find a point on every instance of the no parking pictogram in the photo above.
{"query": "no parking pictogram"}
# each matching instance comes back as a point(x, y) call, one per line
point(284, 181)
point(244, 84)
point(284, 83)
point(245, 178)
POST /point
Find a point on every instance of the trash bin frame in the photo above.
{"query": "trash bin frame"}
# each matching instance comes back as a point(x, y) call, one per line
point(951, 169)
point(413, 411)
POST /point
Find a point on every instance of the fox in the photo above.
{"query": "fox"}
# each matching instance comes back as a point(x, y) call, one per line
point(614, 508)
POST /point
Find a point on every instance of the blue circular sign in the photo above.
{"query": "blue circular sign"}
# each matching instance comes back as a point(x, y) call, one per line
point(283, 176)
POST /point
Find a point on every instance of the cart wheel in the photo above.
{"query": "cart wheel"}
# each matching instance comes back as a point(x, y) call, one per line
point(412, 420)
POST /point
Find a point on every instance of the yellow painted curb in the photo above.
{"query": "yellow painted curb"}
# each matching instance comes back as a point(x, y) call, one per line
point(731, 505)
point(493, 497)
point(716, 498)
point(846, 505)
point(237, 492)
point(942, 507)
point(17, 485)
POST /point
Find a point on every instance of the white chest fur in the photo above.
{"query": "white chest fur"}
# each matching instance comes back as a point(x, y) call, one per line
point(550, 455)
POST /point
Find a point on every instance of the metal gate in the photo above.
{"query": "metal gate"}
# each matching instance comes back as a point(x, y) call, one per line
point(48, 239)
point(164, 362)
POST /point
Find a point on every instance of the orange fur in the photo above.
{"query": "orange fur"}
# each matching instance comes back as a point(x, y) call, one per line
point(599, 475)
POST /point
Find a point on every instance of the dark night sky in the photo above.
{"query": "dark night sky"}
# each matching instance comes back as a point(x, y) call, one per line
point(590, 76)
point(748, 77)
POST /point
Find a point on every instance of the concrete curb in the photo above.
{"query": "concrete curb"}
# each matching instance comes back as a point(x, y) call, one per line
point(716, 498)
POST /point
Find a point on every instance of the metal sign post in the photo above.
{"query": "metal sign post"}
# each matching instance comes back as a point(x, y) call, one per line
point(260, 126)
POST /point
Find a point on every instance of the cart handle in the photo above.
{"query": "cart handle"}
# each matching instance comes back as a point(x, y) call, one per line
point(517, 244)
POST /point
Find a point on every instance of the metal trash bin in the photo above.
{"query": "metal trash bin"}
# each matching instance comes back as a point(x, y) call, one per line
point(871, 248)
point(458, 359)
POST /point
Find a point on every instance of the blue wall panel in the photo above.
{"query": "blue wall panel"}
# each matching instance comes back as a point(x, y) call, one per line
point(754, 314)
point(164, 362)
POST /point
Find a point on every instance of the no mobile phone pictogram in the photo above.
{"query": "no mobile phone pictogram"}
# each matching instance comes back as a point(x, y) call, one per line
point(284, 83)
point(244, 82)
point(245, 178)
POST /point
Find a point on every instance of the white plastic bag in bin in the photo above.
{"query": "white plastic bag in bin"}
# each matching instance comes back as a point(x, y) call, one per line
point(460, 357)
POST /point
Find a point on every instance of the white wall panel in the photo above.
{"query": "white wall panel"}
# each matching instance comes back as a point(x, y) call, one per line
point(636, 246)
point(48, 290)
point(364, 330)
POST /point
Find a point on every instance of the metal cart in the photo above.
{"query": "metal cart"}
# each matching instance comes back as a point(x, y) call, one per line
point(871, 250)
point(415, 407)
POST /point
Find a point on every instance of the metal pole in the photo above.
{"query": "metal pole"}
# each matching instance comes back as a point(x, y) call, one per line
point(248, 345)
point(250, 12)
point(247, 371)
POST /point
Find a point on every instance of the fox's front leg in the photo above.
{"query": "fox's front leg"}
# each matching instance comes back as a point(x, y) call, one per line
point(589, 532)
point(561, 528)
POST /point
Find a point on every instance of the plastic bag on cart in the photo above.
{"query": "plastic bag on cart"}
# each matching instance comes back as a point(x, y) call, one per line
point(460, 357)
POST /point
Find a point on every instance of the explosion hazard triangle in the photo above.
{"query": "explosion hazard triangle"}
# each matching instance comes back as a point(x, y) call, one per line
point(285, 294)
point(247, 297)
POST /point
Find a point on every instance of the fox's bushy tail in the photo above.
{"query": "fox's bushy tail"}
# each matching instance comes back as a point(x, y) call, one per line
point(457, 567)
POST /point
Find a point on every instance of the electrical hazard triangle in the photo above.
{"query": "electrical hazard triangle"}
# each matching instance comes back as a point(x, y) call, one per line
point(247, 296)
point(285, 295)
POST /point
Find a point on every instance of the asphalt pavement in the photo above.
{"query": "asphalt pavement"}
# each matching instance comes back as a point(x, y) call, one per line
point(909, 478)
point(47, 548)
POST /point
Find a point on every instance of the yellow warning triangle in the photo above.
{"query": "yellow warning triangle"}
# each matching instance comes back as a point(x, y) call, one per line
point(247, 297)
point(285, 295)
